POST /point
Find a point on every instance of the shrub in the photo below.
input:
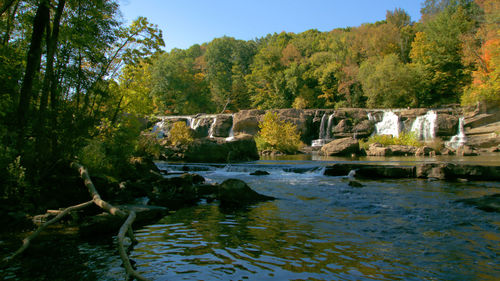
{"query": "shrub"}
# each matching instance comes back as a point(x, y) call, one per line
point(180, 134)
point(403, 139)
point(277, 134)
point(148, 145)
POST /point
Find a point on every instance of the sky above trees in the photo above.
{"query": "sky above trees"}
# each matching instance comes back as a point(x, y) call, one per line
point(189, 22)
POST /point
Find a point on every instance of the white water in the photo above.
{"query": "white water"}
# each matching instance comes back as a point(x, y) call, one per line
point(425, 126)
point(231, 131)
point(325, 129)
point(389, 125)
point(459, 139)
point(211, 131)
point(194, 123)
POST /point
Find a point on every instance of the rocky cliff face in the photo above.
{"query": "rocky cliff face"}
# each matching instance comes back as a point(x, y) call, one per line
point(320, 126)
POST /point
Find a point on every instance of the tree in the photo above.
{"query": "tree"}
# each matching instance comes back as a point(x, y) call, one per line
point(438, 49)
point(228, 61)
point(387, 82)
point(482, 51)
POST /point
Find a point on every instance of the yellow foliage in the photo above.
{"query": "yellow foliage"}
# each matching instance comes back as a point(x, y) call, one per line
point(180, 134)
point(278, 134)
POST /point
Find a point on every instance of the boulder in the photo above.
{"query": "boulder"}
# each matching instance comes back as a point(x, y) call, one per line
point(176, 192)
point(425, 151)
point(343, 129)
point(353, 183)
point(340, 147)
point(446, 125)
point(402, 150)
point(236, 193)
point(259, 173)
point(377, 149)
point(381, 171)
point(466, 150)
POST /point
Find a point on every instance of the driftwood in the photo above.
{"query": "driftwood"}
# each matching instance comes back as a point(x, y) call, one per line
point(27, 240)
point(126, 228)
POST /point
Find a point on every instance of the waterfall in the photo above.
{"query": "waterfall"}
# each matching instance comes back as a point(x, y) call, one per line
point(459, 139)
point(194, 123)
point(322, 127)
point(329, 127)
point(325, 128)
point(425, 126)
point(231, 131)
point(211, 131)
point(389, 124)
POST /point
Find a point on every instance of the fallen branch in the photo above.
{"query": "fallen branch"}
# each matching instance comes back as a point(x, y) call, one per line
point(27, 240)
point(93, 192)
point(127, 225)
point(96, 199)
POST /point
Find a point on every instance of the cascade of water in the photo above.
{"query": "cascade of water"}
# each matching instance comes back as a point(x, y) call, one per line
point(211, 131)
point(322, 127)
point(329, 126)
point(159, 128)
point(459, 139)
point(195, 123)
point(389, 124)
point(231, 131)
point(425, 126)
point(325, 128)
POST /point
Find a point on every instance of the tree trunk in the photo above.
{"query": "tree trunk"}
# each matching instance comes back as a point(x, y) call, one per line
point(52, 38)
point(32, 67)
point(5, 6)
point(10, 20)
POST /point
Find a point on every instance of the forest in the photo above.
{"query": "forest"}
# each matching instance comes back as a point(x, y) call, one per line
point(73, 77)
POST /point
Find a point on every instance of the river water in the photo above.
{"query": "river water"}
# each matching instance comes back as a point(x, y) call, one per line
point(318, 228)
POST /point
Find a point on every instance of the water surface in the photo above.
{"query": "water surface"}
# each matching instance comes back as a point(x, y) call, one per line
point(319, 228)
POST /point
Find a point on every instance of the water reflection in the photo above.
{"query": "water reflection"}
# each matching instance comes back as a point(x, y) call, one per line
point(321, 229)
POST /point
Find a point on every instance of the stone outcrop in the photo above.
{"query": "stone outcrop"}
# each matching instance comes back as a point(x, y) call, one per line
point(442, 171)
point(340, 147)
point(446, 125)
point(402, 150)
point(247, 121)
point(215, 150)
point(222, 126)
point(235, 193)
point(482, 127)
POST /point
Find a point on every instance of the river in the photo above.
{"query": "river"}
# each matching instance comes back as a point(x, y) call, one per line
point(318, 228)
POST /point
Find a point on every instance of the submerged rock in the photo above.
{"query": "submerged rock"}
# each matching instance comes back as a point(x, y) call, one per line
point(354, 183)
point(488, 203)
point(236, 193)
point(259, 173)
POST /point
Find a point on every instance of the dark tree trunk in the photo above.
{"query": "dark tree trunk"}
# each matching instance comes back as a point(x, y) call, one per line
point(32, 67)
point(10, 21)
point(6, 5)
point(49, 79)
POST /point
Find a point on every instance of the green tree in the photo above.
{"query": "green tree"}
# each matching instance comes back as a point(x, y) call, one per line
point(387, 82)
point(228, 61)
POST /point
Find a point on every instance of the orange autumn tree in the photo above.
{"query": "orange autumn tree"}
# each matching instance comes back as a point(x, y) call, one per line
point(486, 57)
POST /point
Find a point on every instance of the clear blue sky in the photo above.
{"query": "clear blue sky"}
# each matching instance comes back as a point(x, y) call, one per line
point(188, 22)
